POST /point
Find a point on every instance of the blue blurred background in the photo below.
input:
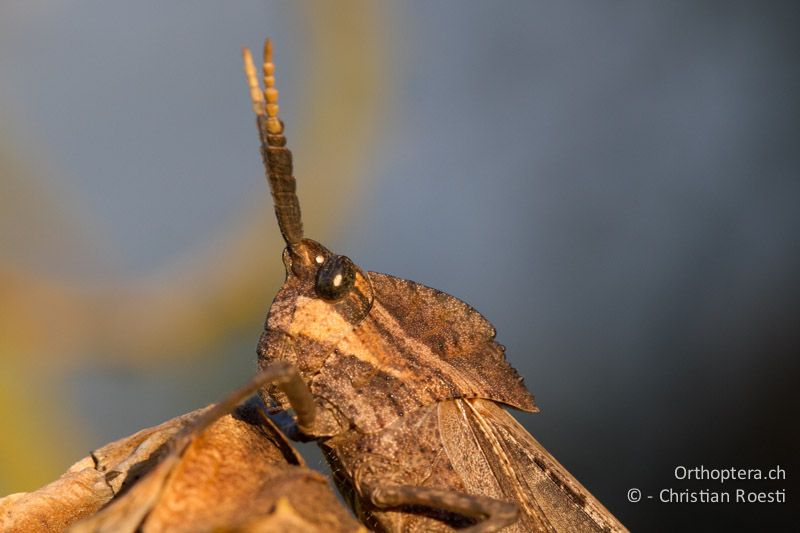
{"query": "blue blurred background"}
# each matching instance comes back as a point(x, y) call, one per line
point(613, 185)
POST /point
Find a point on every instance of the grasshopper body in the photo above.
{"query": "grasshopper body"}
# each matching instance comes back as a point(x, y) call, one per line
point(403, 387)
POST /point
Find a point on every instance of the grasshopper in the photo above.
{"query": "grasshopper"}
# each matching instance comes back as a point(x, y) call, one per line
point(401, 385)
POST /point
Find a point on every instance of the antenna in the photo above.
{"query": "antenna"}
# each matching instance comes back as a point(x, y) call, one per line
point(277, 158)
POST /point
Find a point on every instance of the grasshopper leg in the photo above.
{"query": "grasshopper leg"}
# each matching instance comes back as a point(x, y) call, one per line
point(282, 374)
point(497, 513)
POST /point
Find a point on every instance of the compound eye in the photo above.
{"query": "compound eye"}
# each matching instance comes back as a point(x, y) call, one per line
point(335, 278)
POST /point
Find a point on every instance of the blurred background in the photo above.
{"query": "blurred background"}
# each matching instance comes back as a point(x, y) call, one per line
point(613, 185)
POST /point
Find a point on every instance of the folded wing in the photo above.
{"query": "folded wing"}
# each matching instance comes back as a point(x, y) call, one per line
point(497, 457)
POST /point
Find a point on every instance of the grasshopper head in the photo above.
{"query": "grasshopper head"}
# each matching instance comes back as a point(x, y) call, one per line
point(332, 276)
point(324, 297)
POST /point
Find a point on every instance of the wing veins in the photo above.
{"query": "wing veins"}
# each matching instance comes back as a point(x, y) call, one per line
point(508, 429)
point(530, 506)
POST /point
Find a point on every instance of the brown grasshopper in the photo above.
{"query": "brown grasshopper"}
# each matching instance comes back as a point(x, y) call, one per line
point(402, 386)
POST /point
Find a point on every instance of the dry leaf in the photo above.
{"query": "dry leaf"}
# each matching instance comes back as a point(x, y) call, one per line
point(90, 483)
point(79, 493)
point(238, 474)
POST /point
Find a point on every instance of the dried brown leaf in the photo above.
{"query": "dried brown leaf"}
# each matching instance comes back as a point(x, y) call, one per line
point(238, 474)
point(90, 483)
point(79, 493)
point(233, 477)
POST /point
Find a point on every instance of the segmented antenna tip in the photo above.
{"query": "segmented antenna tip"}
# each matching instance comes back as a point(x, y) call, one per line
point(274, 125)
point(256, 96)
